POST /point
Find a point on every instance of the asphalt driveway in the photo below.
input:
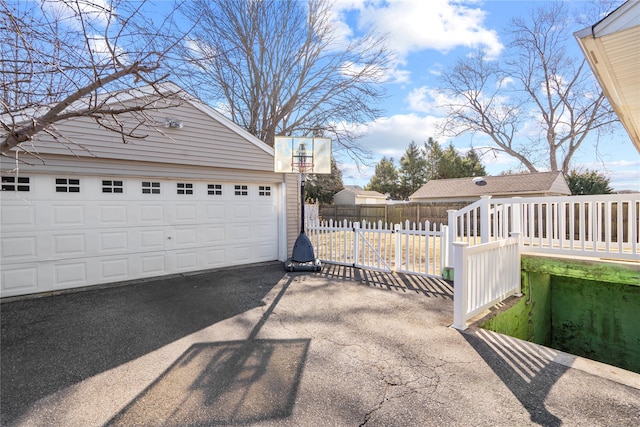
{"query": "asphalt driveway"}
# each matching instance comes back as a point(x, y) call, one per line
point(255, 345)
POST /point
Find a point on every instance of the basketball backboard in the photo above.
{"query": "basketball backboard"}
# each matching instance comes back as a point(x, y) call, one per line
point(301, 154)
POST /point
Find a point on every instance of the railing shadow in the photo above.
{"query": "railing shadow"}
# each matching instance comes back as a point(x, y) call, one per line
point(431, 287)
point(525, 370)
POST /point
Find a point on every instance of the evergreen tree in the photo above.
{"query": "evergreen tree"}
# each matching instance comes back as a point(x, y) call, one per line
point(413, 170)
point(385, 180)
point(433, 152)
point(472, 164)
point(323, 187)
point(446, 164)
point(582, 182)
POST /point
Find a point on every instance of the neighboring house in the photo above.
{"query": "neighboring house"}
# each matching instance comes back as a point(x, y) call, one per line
point(198, 194)
point(611, 48)
point(355, 195)
point(470, 189)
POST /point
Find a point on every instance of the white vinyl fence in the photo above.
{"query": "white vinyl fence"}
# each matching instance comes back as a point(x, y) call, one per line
point(602, 226)
point(408, 248)
point(484, 275)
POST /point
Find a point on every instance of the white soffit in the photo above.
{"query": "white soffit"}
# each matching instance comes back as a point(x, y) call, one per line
point(612, 48)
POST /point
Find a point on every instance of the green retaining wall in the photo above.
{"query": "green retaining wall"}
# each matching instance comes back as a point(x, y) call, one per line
point(589, 308)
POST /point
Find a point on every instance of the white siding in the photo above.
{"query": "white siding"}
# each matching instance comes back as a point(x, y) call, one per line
point(202, 141)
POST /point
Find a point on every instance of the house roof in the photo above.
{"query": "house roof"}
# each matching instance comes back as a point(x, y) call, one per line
point(358, 191)
point(611, 49)
point(504, 185)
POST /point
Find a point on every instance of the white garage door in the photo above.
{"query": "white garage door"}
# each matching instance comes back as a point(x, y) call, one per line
point(62, 231)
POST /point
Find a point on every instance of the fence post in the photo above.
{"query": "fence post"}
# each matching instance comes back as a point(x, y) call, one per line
point(444, 248)
point(460, 290)
point(398, 246)
point(356, 244)
point(452, 225)
point(485, 221)
point(518, 268)
point(516, 217)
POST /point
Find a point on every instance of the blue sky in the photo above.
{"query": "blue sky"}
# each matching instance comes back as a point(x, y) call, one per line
point(425, 47)
point(428, 36)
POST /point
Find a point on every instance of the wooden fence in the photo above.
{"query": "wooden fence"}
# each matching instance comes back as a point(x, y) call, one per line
point(435, 213)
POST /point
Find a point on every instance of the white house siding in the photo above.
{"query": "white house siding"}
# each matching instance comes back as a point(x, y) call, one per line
point(196, 144)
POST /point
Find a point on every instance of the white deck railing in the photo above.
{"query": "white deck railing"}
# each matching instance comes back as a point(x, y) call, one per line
point(603, 226)
point(408, 248)
point(484, 275)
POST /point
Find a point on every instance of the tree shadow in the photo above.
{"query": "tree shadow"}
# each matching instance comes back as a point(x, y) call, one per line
point(526, 371)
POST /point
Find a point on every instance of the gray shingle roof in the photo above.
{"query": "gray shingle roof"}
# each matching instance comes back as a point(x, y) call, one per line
point(358, 191)
point(504, 185)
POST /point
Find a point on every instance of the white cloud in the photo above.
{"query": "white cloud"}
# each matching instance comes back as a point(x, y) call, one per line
point(96, 11)
point(415, 25)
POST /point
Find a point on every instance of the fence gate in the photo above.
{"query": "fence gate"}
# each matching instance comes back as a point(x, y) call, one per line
point(408, 248)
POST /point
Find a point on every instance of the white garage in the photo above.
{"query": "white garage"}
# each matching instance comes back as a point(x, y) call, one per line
point(201, 196)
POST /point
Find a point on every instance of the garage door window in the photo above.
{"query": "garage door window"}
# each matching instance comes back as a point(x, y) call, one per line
point(214, 189)
point(241, 190)
point(109, 186)
point(185, 188)
point(150, 187)
point(264, 190)
point(9, 183)
point(67, 185)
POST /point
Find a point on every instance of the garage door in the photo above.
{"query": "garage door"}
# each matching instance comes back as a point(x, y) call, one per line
point(62, 232)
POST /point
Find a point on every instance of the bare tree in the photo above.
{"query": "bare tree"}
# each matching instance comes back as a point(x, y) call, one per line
point(539, 103)
point(279, 67)
point(76, 58)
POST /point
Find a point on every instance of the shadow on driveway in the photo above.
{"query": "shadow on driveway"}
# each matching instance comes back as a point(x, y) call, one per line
point(529, 377)
point(224, 382)
point(54, 342)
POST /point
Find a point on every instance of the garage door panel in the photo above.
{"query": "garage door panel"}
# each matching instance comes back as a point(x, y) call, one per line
point(17, 217)
point(113, 270)
point(70, 274)
point(241, 233)
point(186, 236)
point(114, 241)
point(68, 245)
point(18, 279)
point(152, 239)
point(152, 264)
point(184, 213)
point(215, 257)
point(18, 248)
point(66, 215)
point(216, 234)
point(186, 260)
point(151, 214)
point(113, 215)
point(215, 212)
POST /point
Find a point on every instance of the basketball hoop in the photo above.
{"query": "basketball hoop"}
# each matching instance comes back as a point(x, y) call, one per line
point(302, 167)
point(303, 155)
point(302, 159)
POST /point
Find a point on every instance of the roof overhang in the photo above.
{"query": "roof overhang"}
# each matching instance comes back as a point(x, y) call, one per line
point(611, 49)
